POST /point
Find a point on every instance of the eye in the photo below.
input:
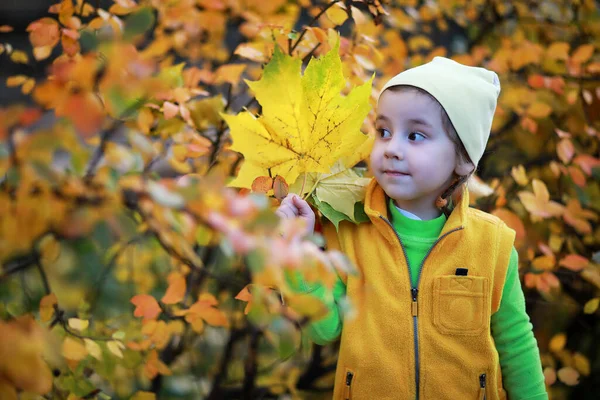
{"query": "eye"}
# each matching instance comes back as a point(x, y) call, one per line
point(384, 133)
point(416, 136)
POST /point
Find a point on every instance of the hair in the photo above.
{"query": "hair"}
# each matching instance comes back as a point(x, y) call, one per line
point(444, 202)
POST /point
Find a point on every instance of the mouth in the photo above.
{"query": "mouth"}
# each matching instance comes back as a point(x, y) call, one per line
point(390, 172)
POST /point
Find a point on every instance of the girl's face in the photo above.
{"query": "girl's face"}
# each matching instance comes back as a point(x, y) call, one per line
point(413, 159)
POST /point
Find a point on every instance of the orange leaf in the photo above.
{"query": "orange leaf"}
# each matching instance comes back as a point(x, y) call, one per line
point(146, 306)
point(85, 111)
point(582, 54)
point(569, 376)
point(529, 124)
point(578, 218)
point(44, 32)
point(176, 290)
point(262, 184)
point(536, 81)
point(230, 73)
point(280, 187)
point(587, 163)
point(574, 262)
point(513, 221)
point(565, 150)
point(577, 176)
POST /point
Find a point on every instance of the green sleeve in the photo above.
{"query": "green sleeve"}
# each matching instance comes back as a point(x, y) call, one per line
point(522, 374)
point(329, 327)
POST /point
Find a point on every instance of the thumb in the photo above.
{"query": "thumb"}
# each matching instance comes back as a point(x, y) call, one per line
point(302, 206)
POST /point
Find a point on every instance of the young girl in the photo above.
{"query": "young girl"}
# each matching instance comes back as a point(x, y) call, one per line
point(440, 313)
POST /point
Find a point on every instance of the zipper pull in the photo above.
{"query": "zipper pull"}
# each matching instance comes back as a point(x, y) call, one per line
point(482, 387)
point(414, 306)
point(349, 376)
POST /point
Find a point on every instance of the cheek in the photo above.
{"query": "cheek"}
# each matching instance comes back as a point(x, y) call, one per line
point(376, 155)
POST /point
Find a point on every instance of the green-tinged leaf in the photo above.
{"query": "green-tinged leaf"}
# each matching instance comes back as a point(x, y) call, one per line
point(138, 23)
point(359, 213)
point(330, 213)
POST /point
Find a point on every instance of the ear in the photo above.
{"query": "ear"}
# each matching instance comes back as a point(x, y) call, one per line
point(463, 168)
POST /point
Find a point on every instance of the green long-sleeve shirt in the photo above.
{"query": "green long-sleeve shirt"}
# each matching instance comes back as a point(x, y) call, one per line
point(519, 356)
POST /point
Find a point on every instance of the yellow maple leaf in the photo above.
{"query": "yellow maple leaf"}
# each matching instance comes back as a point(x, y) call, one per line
point(539, 204)
point(306, 126)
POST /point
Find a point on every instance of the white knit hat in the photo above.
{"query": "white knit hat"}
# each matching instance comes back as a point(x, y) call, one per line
point(468, 94)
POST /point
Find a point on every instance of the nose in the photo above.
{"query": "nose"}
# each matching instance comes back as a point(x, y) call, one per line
point(393, 148)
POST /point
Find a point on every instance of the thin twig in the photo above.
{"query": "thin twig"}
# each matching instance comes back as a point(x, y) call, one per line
point(311, 23)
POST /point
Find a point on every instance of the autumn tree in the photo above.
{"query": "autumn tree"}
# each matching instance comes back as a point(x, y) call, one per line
point(140, 254)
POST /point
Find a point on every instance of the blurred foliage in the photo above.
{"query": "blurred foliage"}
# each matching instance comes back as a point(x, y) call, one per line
point(131, 270)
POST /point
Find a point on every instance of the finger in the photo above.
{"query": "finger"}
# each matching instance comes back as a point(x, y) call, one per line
point(286, 212)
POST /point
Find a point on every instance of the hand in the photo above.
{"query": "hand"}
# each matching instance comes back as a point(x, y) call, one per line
point(293, 206)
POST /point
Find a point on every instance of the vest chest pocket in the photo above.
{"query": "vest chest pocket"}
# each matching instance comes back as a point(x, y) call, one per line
point(461, 305)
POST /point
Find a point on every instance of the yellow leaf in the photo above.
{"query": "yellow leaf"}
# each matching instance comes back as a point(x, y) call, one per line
point(591, 306)
point(558, 51)
point(72, 349)
point(306, 305)
point(539, 110)
point(19, 56)
point(49, 248)
point(520, 175)
point(115, 346)
point(28, 86)
point(538, 203)
point(176, 290)
point(569, 376)
point(78, 324)
point(544, 262)
point(581, 363)
point(47, 304)
point(15, 80)
point(306, 126)
point(565, 150)
point(558, 342)
point(93, 349)
point(143, 396)
point(41, 53)
point(341, 189)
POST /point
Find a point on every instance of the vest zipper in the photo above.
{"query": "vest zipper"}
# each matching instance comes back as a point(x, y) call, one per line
point(482, 387)
point(348, 387)
point(414, 294)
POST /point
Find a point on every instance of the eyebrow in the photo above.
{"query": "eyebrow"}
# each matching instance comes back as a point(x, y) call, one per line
point(416, 121)
point(419, 121)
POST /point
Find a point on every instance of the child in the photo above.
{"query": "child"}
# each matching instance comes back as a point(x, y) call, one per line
point(440, 313)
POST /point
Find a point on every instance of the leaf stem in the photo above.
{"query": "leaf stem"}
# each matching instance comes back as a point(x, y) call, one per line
point(311, 189)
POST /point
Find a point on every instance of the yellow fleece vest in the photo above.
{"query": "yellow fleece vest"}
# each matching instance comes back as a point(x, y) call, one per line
point(433, 342)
